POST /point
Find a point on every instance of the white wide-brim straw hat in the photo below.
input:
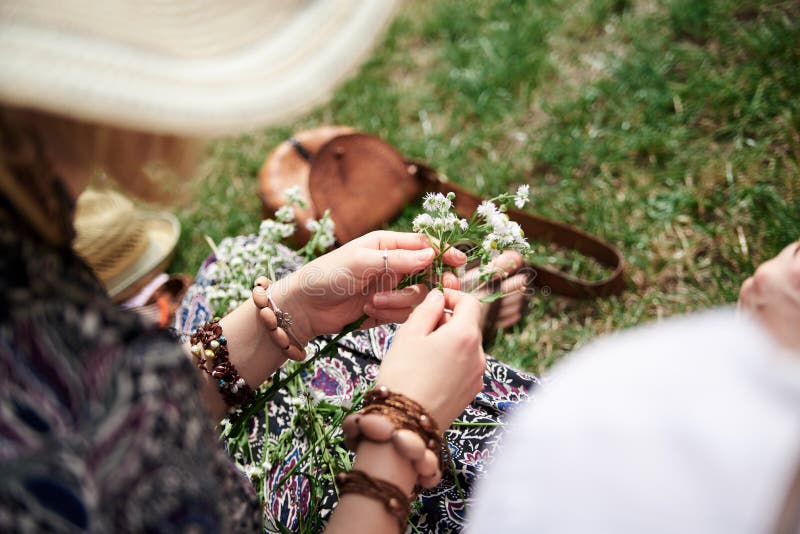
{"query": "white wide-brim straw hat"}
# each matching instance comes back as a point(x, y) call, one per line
point(186, 67)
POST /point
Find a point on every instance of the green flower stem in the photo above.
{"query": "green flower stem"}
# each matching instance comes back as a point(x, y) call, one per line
point(303, 458)
point(239, 419)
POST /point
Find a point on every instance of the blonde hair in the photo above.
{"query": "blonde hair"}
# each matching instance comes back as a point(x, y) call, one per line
point(150, 166)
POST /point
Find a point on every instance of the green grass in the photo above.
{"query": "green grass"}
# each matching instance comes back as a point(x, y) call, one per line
point(671, 129)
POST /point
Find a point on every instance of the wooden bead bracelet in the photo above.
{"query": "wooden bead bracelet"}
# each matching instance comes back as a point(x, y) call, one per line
point(210, 348)
point(277, 321)
point(393, 499)
point(388, 416)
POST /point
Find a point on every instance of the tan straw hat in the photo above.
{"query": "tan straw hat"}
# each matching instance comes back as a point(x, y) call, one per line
point(125, 246)
point(187, 67)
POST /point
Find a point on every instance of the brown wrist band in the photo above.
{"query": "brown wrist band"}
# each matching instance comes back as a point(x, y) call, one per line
point(278, 322)
point(393, 499)
point(389, 416)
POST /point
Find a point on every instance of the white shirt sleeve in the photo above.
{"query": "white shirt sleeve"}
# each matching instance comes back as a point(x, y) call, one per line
point(690, 425)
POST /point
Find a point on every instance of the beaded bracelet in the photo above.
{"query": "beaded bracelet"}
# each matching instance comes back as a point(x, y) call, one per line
point(211, 349)
point(277, 321)
point(413, 432)
point(392, 497)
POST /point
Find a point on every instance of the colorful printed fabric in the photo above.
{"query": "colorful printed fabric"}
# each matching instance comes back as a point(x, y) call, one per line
point(336, 380)
point(101, 429)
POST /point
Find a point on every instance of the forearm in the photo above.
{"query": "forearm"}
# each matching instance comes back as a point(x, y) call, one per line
point(357, 514)
point(250, 350)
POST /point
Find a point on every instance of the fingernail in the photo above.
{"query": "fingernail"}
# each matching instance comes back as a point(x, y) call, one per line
point(459, 254)
point(436, 294)
point(380, 299)
point(426, 254)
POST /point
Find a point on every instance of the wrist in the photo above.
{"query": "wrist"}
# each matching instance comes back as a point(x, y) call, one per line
point(288, 296)
point(381, 460)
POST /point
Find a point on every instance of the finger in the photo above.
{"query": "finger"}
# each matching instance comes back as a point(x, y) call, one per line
point(425, 317)
point(500, 267)
point(513, 285)
point(454, 257)
point(382, 316)
point(405, 262)
point(400, 240)
point(404, 298)
point(396, 240)
point(790, 251)
point(466, 309)
point(745, 293)
point(509, 321)
point(450, 280)
point(391, 264)
point(508, 316)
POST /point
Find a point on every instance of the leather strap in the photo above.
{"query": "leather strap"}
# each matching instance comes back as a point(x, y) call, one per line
point(535, 227)
point(301, 150)
point(540, 228)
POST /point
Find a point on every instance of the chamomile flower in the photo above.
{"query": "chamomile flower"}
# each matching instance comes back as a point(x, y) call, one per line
point(422, 222)
point(487, 209)
point(322, 230)
point(436, 203)
point(274, 232)
point(285, 214)
point(523, 196)
point(294, 197)
point(491, 245)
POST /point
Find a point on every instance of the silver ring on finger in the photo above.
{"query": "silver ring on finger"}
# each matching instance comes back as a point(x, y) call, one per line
point(386, 261)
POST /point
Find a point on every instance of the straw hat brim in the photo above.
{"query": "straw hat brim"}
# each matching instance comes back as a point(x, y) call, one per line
point(188, 68)
point(162, 230)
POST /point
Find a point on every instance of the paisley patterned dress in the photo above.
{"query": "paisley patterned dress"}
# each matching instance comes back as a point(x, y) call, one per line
point(472, 442)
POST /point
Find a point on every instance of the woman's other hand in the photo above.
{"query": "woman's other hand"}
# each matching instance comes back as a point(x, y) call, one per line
point(772, 295)
point(436, 358)
point(337, 288)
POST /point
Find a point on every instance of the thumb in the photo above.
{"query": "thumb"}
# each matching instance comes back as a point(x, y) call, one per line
point(426, 315)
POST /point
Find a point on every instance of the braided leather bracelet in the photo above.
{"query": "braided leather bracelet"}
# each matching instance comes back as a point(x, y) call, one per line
point(393, 499)
point(412, 430)
point(277, 321)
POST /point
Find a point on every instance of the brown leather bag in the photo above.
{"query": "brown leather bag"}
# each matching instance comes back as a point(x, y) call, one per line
point(365, 182)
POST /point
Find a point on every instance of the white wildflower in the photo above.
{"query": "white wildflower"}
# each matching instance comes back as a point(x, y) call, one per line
point(285, 214)
point(322, 230)
point(273, 232)
point(463, 225)
point(422, 222)
point(295, 401)
point(499, 222)
point(436, 203)
point(523, 196)
point(317, 396)
point(252, 472)
point(294, 197)
point(491, 245)
point(487, 209)
point(450, 222)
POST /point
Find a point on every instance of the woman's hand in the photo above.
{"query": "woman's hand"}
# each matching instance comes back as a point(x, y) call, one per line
point(436, 359)
point(338, 287)
point(772, 295)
